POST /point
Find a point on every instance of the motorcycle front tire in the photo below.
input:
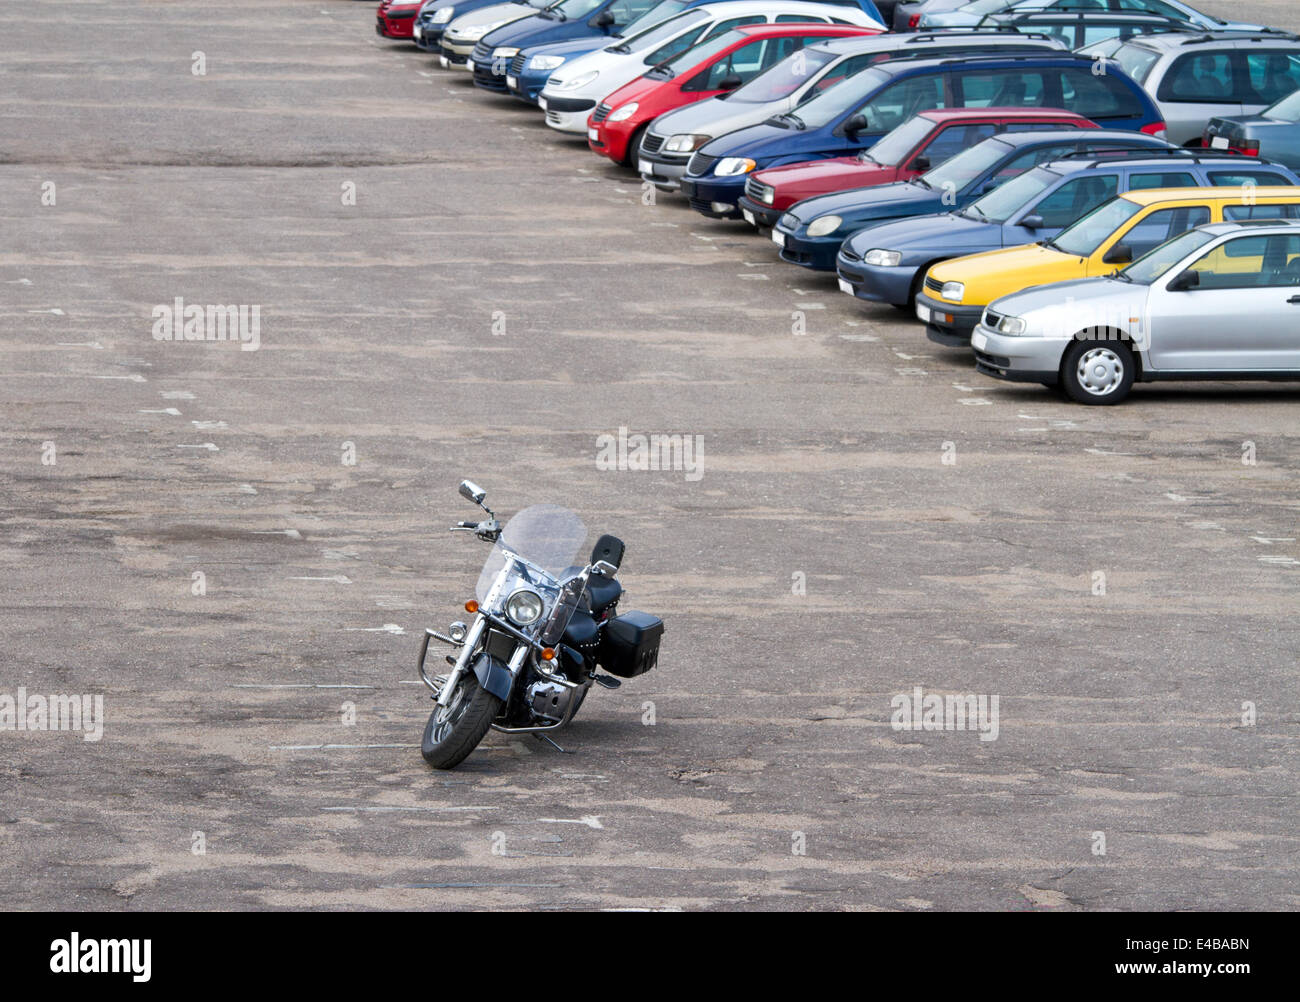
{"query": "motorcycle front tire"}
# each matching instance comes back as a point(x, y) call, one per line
point(455, 730)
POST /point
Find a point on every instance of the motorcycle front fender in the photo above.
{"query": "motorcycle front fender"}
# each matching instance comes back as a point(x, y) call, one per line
point(494, 675)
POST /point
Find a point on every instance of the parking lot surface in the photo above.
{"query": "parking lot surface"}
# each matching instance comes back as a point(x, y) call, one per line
point(239, 550)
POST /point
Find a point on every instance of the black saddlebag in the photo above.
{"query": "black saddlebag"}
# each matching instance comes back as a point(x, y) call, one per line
point(630, 645)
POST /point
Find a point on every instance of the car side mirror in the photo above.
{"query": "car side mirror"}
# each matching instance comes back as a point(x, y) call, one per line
point(1034, 222)
point(1119, 254)
point(858, 123)
point(602, 20)
point(730, 82)
point(1187, 280)
point(472, 492)
point(921, 163)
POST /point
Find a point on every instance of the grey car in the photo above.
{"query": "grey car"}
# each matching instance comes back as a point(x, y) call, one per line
point(1221, 301)
point(979, 10)
point(674, 136)
point(1196, 76)
point(1274, 132)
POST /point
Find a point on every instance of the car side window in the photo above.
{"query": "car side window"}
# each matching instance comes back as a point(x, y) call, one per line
point(1241, 178)
point(1096, 97)
point(1032, 158)
point(1164, 179)
point(1270, 76)
point(1001, 89)
point(1038, 126)
point(787, 18)
point(903, 100)
point(1235, 212)
point(955, 138)
point(735, 22)
point(1153, 230)
point(627, 11)
point(1075, 198)
point(1151, 7)
point(1200, 77)
point(670, 49)
point(1252, 262)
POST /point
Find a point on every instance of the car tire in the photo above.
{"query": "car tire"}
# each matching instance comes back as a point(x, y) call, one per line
point(634, 146)
point(1098, 373)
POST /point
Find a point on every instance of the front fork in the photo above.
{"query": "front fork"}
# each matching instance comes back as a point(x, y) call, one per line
point(467, 648)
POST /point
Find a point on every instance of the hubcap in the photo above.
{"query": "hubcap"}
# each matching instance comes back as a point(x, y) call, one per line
point(1100, 371)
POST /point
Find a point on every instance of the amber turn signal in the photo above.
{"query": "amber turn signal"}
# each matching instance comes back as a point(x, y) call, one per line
point(471, 606)
point(548, 653)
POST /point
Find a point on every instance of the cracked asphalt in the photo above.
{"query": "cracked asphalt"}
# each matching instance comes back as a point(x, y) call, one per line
point(183, 534)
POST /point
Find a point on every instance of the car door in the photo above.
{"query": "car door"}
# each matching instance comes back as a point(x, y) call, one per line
point(1242, 316)
point(1069, 201)
point(951, 140)
point(1147, 232)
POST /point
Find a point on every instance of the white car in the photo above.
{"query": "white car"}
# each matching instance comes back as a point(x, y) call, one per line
point(574, 89)
point(464, 32)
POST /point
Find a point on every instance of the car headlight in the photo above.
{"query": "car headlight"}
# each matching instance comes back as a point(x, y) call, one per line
point(731, 166)
point(505, 52)
point(685, 143)
point(1013, 326)
point(953, 291)
point(444, 15)
point(524, 607)
point(624, 113)
point(579, 81)
point(883, 258)
point(545, 62)
point(824, 225)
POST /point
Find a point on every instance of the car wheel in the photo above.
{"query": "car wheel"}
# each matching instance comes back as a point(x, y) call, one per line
point(634, 146)
point(1098, 372)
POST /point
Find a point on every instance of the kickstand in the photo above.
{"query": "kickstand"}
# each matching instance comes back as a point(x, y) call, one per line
point(543, 737)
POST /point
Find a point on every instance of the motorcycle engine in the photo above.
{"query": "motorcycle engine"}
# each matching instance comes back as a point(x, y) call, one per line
point(550, 700)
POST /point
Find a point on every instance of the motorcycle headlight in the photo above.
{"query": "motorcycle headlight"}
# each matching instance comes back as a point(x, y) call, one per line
point(953, 291)
point(505, 52)
point(624, 113)
point(685, 143)
point(824, 225)
point(545, 62)
point(1013, 326)
point(731, 166)
point(524, 607)
point(883, 258)
point(579, 81)
point(444, 15)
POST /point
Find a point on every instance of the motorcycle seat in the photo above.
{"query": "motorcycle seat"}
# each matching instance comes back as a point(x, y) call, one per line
point(583, 634)
point(603, 592)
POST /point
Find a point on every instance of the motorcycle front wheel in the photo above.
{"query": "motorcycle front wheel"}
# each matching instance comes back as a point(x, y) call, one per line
point(454, 730)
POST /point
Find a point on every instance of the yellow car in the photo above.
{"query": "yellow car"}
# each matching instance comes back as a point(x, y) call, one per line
point(1112, 235)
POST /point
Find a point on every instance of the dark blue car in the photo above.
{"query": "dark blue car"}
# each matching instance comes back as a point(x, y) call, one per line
point(886, 263)
point(811, 231)
point(852, 115)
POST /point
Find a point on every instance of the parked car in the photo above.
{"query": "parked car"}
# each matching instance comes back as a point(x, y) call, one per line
point(572, 82)
point(672, 138)
point(886, 263)
point(918, 145)
point(394, 18)
point(973, 13)
point(955, 293)
point(811, 231)
point(1195, 77)
point(1175, 313)
point(465, 31)
point(566, 20)
point(1273, 133)
point(1077, 28)
point(435, 15)
point(722, 64)
point(853, 115)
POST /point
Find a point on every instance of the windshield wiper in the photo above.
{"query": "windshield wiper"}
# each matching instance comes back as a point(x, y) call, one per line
point(1117, 274)
point(661, 73)
point(972, 208)
point(921, 181)
point(621, 49)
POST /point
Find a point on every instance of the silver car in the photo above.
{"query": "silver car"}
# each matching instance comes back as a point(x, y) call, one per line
point(1196, 76)
point(1273, 133)
point(1221, 301)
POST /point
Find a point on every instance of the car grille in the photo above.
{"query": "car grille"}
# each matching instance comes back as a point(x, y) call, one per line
point(700, 164)
point(933, 284)
point(553, 117)
point(601, 113)
point(992, 361)
point(759, 192)
point(848, 255)
point(651, 143)
point(992, 319)
point(517, 64)
point(481, 54)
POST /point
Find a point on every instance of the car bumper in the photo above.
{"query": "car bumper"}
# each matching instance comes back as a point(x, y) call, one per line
point(1017, 359)
point(429, 36)
point(485, 78)
point(567, 114)
point(714, 197)
point(526, 87)
point(757, 214)
point(456, 52)
point(663, 171)
point(874, 283)
point(394, 27)
point(818, 253)
point(947, 323)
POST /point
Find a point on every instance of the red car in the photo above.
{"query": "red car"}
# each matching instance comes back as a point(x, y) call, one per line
point(922, 142)
point(715, 66)
point(396, 18)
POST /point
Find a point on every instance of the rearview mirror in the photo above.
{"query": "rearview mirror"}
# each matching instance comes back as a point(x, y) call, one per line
point(1119, 254)
point(472, 492)
point(1034, 222)
point(730, 82)
point(1187, 280)
point(858, 123)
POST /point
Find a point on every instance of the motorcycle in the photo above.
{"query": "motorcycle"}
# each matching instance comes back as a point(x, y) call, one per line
point(541, 629)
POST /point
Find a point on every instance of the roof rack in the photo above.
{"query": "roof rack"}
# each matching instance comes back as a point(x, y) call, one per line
point(1155, 152)
point(1241, 35)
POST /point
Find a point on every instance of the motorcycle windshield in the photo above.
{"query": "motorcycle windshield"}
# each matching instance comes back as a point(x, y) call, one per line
point(548, 537)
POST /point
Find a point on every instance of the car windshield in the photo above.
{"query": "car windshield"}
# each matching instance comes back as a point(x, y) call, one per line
point(894, 146)
point(1286, 110)
point(1087, 234)
point(574, 10)
point(660, 31)
point(784, 78)
point(841, 98)
point(986, 6)
point(1154, 263)
point(1006, 200)
point(696, 55)
point(961, 170)
point(656, 15)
